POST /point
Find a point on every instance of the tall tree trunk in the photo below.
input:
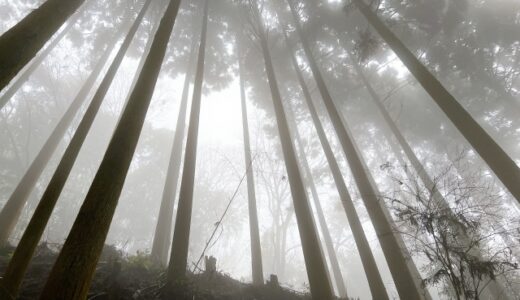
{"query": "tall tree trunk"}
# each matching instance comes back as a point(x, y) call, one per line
point(79, 256)
point(11, 211)
point(329, 245)
point(254, 232)
point(497, 159)
point(406, 277)
point(181, 233)
point(24, 251)
point(20, 44)
point(316, 270)
point(309, 182)
point(375, 282)
point(37, 61)
point(163, 230)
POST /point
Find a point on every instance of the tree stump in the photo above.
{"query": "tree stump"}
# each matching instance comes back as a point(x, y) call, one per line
point(273, 281)
point(210, 264)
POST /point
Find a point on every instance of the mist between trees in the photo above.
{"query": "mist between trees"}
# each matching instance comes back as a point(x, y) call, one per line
point(241, 149)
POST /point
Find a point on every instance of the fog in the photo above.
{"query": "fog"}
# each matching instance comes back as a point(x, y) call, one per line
point(420, 123)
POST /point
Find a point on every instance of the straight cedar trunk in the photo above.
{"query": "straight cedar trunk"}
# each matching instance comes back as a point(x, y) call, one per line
point(329, 245)
point(72, 273)
point(406, 277)
point(497, 159)
point(163, 229)
point(11, 211)
point(309, 182)
point(22, 42)
point(181, 235)
point(316, 269)
point(375, 282)
point(18, 264)
point(254, 232)
point(37, 61)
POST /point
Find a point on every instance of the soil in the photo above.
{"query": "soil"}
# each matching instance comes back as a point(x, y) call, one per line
point(119, 277)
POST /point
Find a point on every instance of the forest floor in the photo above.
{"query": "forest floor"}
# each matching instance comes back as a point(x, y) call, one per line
point(136, 277)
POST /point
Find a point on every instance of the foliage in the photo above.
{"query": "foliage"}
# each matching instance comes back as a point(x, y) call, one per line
point(459, 241)
point(136, 277)
point(471, 46)
point(366, 45)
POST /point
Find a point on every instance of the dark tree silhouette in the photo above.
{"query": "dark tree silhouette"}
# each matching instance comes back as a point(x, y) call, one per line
point(163, 230)
point(309, 181)
point(79, 256)
point(181, 233)
point(17, 83)
point(316, 269)
point(18, 264)
point(256, 251)
point(11, 211)
point(21, 43)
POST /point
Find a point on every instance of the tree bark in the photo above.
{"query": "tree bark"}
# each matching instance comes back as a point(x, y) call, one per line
point(79, 256)
point(163, 230)
point(22, 42)
point(26, 73)
point(406, 277)
point(316, 270)
point(11, 211)
point(18, 264)
point(254, 232)
point(181, 234)
point(329, 245)
point(375, 282)
point(497, 159)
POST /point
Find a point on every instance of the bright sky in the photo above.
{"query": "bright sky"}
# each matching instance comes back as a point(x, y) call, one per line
point(220, 119)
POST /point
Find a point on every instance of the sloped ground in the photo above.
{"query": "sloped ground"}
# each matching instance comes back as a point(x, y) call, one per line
point(136, 277)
